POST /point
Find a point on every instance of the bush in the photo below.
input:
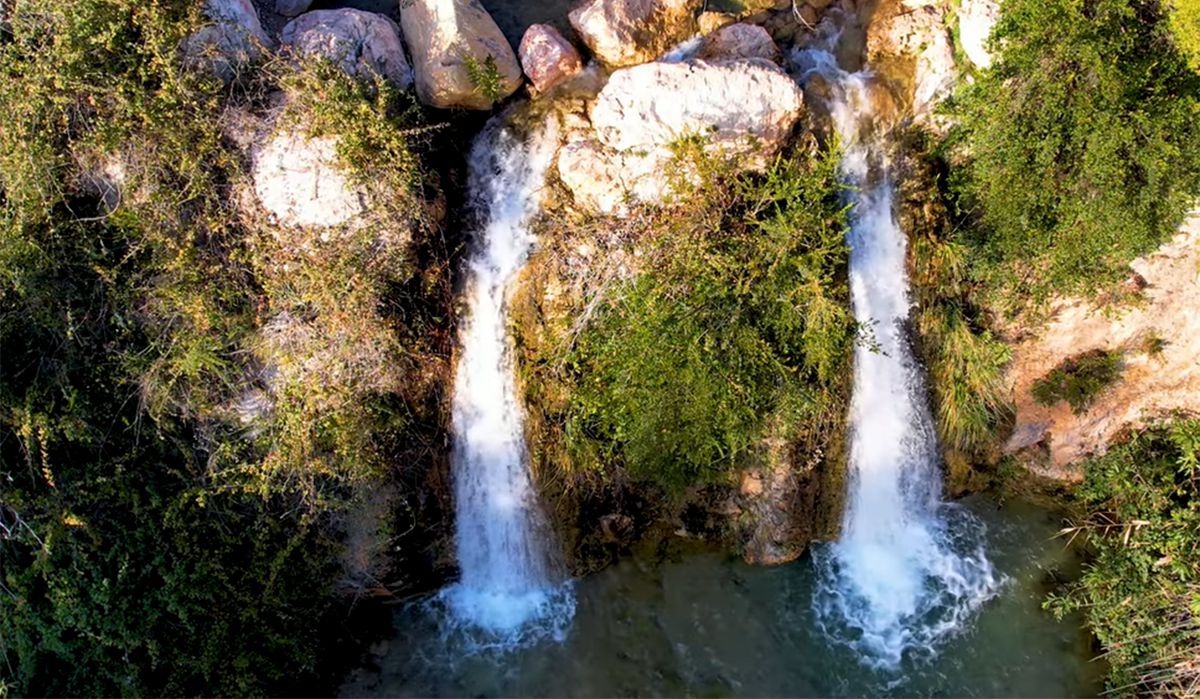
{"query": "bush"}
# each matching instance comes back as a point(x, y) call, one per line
point(1082, 144)
point(1079, 379)
point(739, 314)
point(1141, 592)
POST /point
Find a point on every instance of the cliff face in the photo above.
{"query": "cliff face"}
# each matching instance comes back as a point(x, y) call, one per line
point(1158, 338)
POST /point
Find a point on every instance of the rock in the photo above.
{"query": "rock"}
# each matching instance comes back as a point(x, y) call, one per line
point(300, 182)
point(914, 41)
point(233, 40)
point(975, 21)
point(360, 43)
point(439, 34)
point(709, 22)
point(547, 57)
point(628, 32)
point(808, 16)
point(818, 4)
point(291, 8)
point(604, 181)
point(652, 105)
point(739, 41)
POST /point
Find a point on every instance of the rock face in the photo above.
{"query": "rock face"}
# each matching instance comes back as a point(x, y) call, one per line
point(975, 21)
point(1151, 385)
point(739, 41)
point(628, 32)
point(909, 41)
point(744, 106)
point(234, 39)
point(360, 43)
point(299, 182)
point(547, 57)
point(439, 34)
point(291, 8)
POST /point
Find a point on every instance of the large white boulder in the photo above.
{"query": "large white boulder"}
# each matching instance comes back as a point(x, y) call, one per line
point(975, 21)
point(360, 43)
point(234, 39)
point(441, 35)
point(299, 181)
point(628, 32)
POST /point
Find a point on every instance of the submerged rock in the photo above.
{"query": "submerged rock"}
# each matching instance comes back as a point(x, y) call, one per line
point(360, 43)
point(443, 36)
point(547, 57)
point(291, 8)
point(628, 32)
point(299, 181)
point(233, 40)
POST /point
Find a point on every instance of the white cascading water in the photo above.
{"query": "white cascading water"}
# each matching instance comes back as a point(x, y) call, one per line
point(506, 589)
point(908, 569)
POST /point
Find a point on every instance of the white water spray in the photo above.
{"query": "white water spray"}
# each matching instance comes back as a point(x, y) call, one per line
point(908, 569)
point(506, 588)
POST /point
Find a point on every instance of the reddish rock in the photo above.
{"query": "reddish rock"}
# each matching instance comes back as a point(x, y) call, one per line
point(739, 41)
point(546, 57)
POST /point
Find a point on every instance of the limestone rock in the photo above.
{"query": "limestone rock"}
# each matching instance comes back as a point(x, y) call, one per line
point(975, 21)
point(709, 22)
point(914, 35)
point(299, 182)
point(739, 41)
point(439, 33)
point(604, 181)
point(652, 105)
point(291, 8)
point(547, 57)
point(360, 43)
point(233, 40)
point(628, 32)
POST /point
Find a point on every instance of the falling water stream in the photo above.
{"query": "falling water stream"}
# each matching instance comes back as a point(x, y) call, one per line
point(507, 593)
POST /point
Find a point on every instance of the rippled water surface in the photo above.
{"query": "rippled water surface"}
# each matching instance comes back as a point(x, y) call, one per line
point(707, 625)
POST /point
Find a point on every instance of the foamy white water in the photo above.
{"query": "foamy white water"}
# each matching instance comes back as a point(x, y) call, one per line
point(506, 590)
point(908, 569)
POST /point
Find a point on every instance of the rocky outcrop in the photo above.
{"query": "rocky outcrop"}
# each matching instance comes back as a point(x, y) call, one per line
point(739, 41)
point(547, 57)
point(745, 106)
point(975, 21)
point(1160, 339)
point(233, 40)
point(291, 8)
point(908, 41)
point(360, 43)
point(628, 32)
point(299, 181)
point(444, 38)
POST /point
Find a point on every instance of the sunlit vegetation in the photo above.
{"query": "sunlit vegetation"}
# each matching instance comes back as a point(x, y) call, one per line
point(1141, 593)
point(188, 405)
point(1081, 145)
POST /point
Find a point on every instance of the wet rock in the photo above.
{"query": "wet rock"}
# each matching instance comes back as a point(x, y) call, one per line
point(299, 181)
point(739, 41)
point(911, 41)
point(975, 21)
point(547, 57)
point(440, 35)
point(234, 40)
point(291, 8)
point(360, 43)
point(628, 32)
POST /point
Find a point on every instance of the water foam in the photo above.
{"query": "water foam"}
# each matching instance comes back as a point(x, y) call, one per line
point(908, 569)
point(507, 594)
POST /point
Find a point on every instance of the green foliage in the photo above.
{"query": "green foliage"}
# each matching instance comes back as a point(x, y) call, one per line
point(485, 77)
point(1079, 379)
point(1082, 143)
point(739, 314)
point(1141, 593)
point(1185, 23)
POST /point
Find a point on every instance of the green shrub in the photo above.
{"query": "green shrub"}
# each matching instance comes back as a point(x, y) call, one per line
point(1185, 23)
point(739, 314)
point(1141, 592)
point(1082, 146)
point(485, 77)
point(1079, 379)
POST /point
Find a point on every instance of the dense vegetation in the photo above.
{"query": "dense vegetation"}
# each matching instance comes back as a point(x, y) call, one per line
point(193, 412)
point(1141, 593)
point(1081, 144)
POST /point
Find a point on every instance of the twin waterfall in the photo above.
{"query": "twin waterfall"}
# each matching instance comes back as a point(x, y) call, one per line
point(908, 569)
point(506, 590)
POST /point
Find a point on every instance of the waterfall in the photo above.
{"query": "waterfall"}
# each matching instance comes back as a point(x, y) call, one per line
point(506, 589)
point(908, 569)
